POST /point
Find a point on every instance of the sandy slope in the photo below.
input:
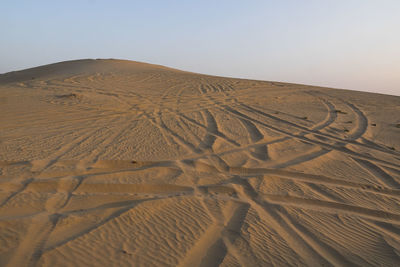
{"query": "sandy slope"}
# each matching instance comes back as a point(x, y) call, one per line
point(118, 163)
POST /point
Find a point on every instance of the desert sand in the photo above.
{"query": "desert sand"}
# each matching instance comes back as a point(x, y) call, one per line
point(121, 163)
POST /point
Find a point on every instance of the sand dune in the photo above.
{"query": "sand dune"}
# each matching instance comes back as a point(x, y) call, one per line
point(120, 163)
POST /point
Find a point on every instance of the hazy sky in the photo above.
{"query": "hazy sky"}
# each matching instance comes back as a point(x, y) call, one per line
point(352, 44)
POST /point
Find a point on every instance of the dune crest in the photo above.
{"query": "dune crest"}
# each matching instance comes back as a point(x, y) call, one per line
point(120, 163)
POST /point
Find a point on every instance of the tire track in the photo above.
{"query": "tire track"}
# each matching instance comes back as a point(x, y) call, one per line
point(313, 251)
point(334, 207)
point(259, 152)
point(218, 240)
point(337, 147)
point(39, 166)
point(381, 176)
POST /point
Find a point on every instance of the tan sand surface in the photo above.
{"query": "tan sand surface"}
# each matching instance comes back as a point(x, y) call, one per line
point(120, 163)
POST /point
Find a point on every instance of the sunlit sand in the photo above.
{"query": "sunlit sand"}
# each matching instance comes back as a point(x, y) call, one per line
point(120, 163)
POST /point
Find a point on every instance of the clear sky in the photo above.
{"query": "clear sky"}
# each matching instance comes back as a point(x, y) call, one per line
point(352, 44)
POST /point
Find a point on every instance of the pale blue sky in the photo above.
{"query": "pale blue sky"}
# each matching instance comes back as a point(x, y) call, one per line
point(352, 44)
